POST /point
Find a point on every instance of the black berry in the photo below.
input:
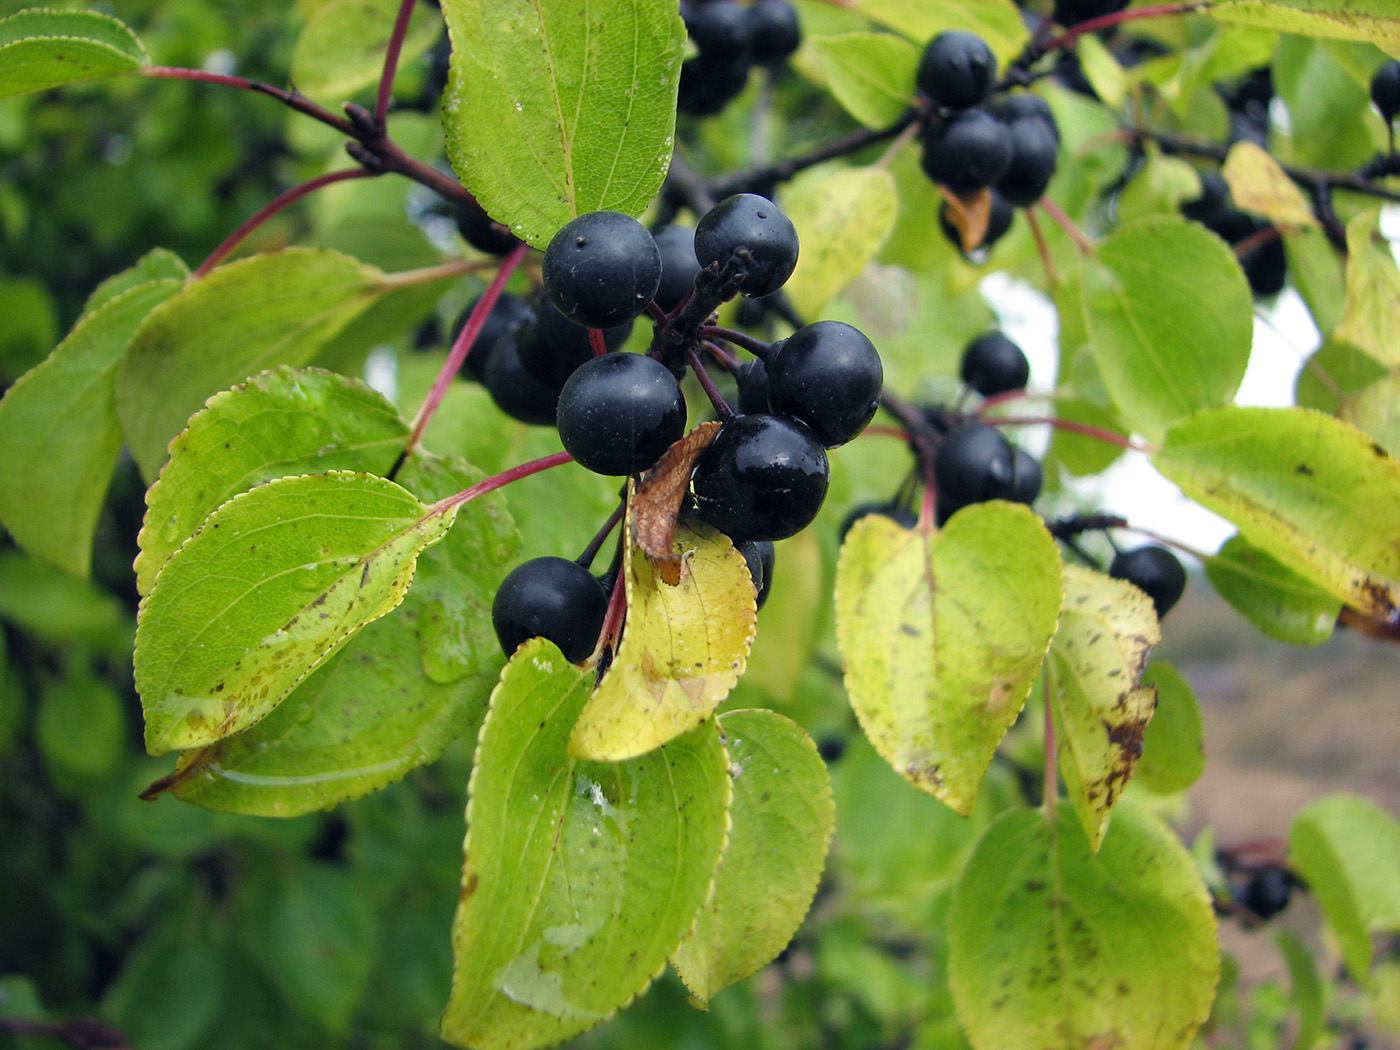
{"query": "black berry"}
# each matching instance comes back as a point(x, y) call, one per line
point(754, 228)
point(774, 30)
point(678, 265)
point(1213, 202)
point(968, 151)
point(1035, 148)
point(482, 232)
point(1385, 89)
point(993, 364)
point(710, 82)
point(957, 69)
point(1071, 12)
point(1024, 106)
point(508, 312)
point(563, 345)
point(752, 377)
point(1026, 478)
point(1267, 892)
point(973, 463)
point(758, 556)
point(1154, 570)
point(763, 478)
point(517, 391)
point(619, 412)
point(602, 269)
point(719, 27)
point(829, 376)
point(551, 598)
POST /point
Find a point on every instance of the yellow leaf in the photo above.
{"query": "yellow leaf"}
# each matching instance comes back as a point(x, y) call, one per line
point(1259, 185)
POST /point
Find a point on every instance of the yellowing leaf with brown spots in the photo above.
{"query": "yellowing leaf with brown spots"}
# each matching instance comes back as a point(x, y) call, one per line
point(1107, 631)
point(275, 581)
point(684, 646)
point(941, 635)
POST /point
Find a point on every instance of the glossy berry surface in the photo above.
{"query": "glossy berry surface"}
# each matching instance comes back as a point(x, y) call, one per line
point(1024, 106)
point(678, 265)
point(957, 69)
point(719, 27)
point(827, 375)
point(710, 82)
point(966, 152)
point(551, 598)
point(1035, 150)
point(752, 377)
point(515, 389)
point(602, 269)
point(758, 556)
point(482, 233)
point(973, 463)
point(993, 364)
point(1154, 570)
point(619, 412)
point(1385, 89)
point(755, 226)
point(763, 478)
point(1026, 477)
point(563, 345)
point(774, 30)
point(508, 312)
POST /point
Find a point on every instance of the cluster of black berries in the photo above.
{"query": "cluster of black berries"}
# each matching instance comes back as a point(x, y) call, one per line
point(1008, 147)
point(765, 474)
point(731, 39)
point(1385, 90)
point(1256, 242)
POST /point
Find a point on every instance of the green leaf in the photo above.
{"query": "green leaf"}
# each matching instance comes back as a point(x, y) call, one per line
point(49, 603)
point(1315, 271)
point(1308, 489)
point(41, 49)
point(1375, 20)
point(173, 968)
point(1372, 315)
point(81, 726)
point(1173, 755)
point(1106, 634)
point(322, 941)
point(870, 74)
point(1309, 993)
point(1270, 595)
point(1168, 339)
point(341, 48)
point(271, 585)
point(555, 108)
point(684, 647)
point(156, 265)
point(842, 217)
point(781, 820)
point(1347, 850)
point(240, 319)
point(1334, 371)
point(941, 636)
point(279, 423)
point(377, 709)
point(996, 21)
point(1375, 410)
point(1054, 946)
point(580, 878)
point(59, 430)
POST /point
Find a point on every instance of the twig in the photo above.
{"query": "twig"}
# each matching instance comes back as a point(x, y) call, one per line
point(391, 60)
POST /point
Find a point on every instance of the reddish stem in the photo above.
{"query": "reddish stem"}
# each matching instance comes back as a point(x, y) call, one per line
point(391, 60)
point(708, 385)
point(499, 481)
point(287, 98)
point(757, 347)
point(880, 430)
point(1064, 222)
point(1107, 436)
point(617, 609)
point(1093, 25)
point(597, 342)
point(463, 344)
point(1042, 247)
point(271, 208)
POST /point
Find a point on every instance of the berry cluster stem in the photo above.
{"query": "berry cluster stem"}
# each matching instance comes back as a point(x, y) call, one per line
point(391, 59)
point(499, 481)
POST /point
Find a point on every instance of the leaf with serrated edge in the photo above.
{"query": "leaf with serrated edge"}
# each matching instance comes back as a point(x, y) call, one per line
point(1372, 314)
point(684, 646)
point(781, 822)
point(1270, 595)
point(941, 636)
point(242, 318)
point(1054, 946)
point(1375, 20)
point(1308, 489)
point(270, 586)
point(40, 49)
point(375, 710)
point(1168, 340)
point(59, 429)
point(842, 217)
point(282, 422)
point(1347, 849)
point(1107, 631)
point(580, 879)
point(340, 50)
point(555, 108)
